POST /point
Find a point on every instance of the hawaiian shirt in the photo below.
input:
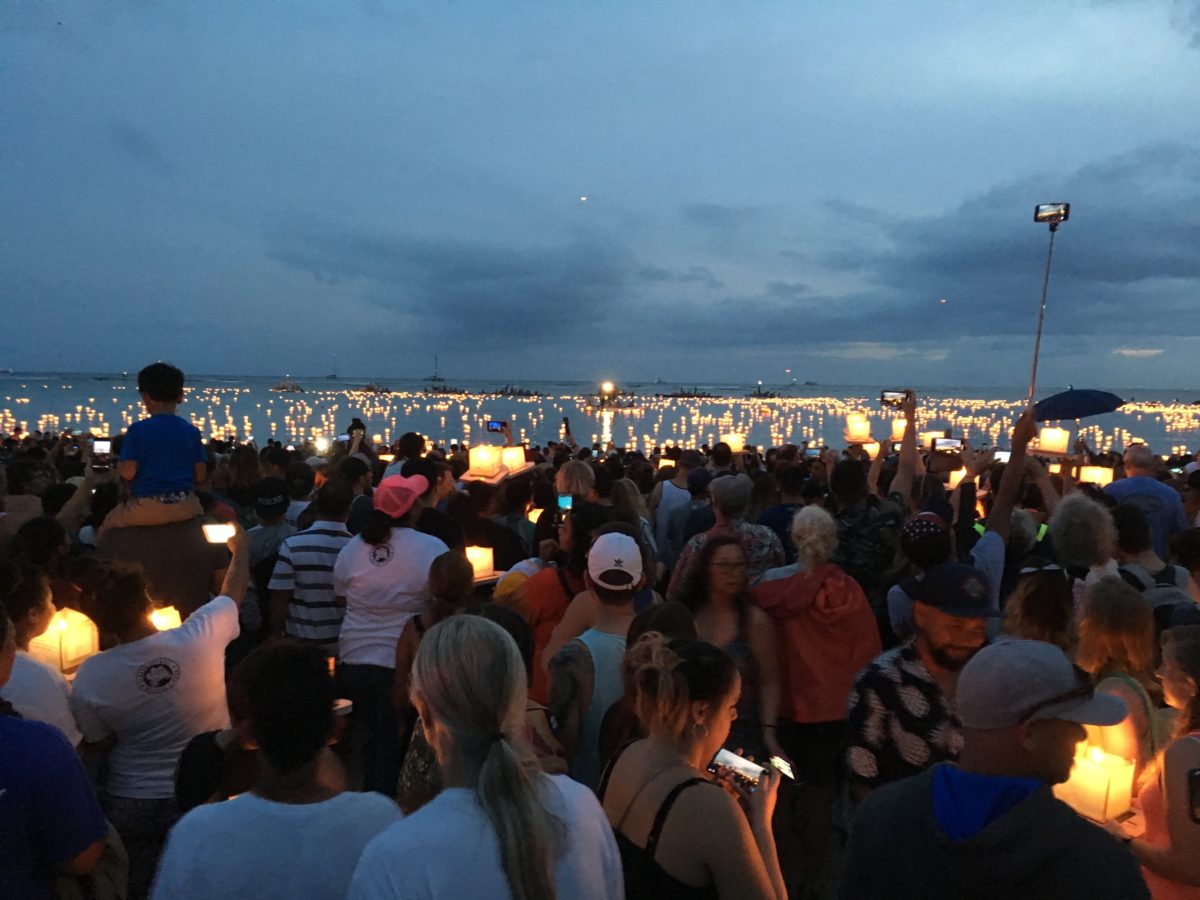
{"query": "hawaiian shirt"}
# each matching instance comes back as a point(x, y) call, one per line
point(900, 722)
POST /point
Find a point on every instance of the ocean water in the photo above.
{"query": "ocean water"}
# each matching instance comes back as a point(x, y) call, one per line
point(245, 407)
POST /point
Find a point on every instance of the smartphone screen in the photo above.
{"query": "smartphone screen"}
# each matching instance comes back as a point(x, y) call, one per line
point(495, 425)
point(566, 501)
point(1002, 456)
point(947, 445)
point(783, 766)
point(896, 445)
point(745, 772)
point(892, 398)
point(218, 533)
point(101, 446)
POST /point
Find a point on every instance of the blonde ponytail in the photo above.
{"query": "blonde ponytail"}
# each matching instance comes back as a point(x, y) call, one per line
point(471, 678)
point(671, 675)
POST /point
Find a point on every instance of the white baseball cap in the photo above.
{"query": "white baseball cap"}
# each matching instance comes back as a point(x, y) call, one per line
point(615, 562)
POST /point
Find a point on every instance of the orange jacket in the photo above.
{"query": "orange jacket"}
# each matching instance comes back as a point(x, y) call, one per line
point(827, 634)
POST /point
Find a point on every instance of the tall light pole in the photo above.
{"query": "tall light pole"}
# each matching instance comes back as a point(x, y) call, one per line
point(1053, 214)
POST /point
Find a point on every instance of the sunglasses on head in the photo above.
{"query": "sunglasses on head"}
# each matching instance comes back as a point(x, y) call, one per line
point(1084, 689)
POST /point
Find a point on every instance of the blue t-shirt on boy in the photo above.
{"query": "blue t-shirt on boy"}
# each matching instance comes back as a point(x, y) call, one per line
point(166, 449)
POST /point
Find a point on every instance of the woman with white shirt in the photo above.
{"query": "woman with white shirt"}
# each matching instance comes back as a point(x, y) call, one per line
point(500, 828)
point(381, 577)
point(36, 691)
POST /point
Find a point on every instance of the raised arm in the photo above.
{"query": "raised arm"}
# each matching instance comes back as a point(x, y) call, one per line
point(902, 483)
point(237, 575)
point(1010, 483)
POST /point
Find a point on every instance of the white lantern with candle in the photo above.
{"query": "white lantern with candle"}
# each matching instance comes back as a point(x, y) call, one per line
point(485, 461)
point(736, 441)
point(71, 638)
point(871, 448)
point(898, 428)
point(666, 462)
point(165, 618)
point(1053, 440)
point(928, 437)
point(481, 562)
point(858, 428)
point(1100, 786)
point(1101, 475)
point(956, 478)
point(513, 459)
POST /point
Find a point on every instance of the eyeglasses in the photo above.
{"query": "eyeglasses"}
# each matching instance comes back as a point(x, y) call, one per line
point(1084, 689)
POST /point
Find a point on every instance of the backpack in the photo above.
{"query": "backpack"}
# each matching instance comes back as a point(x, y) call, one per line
point(1173, 605)
point(868, 540)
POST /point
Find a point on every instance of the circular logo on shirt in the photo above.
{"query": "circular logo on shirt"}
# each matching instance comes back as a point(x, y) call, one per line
point(381, 554)
point(158, 675)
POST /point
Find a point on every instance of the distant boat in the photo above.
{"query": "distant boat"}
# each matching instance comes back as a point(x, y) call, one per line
point(693, 394)
point(759, 394)
point(512, 391)
point(334, 376)
point(374, 387)
point(287, 386)
point(435, 378)
point(811, 384)
point(443, 388)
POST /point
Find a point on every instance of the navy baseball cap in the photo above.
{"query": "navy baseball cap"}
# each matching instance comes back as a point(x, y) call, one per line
point(955, 589)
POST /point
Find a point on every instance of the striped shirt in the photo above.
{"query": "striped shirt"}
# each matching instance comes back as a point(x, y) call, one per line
point(305, 567)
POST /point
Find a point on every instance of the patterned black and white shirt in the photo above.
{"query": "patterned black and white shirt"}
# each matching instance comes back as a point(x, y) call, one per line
point(900, 722)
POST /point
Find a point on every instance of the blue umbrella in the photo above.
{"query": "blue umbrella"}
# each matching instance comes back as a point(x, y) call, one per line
point(1076, 404)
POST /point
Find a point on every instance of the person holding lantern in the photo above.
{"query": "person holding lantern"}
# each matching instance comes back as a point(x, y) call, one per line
point(990, 826)
point(1169, 851)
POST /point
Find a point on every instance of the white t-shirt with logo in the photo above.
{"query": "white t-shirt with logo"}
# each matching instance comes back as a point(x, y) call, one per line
point(384, 587)
point(253, 847)
point(155, 695)
point(41, 693)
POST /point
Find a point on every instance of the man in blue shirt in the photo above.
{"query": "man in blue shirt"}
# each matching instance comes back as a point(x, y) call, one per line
point(50, 820)
point(1161, 503)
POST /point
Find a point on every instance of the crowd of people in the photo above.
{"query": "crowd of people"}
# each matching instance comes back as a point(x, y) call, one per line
point(798, 672)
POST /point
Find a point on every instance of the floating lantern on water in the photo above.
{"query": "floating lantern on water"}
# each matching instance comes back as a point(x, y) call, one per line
point(1100, 786)
point(71, 638)
point(481, 562)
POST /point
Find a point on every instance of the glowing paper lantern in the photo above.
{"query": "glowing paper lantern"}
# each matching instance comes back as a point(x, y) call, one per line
point(534, 514)
point(871, 448)
point(956, 477)
point(485, 461)
point(481, 561)
point(858, 429)
point(898, 428)
point(1100, 786)
point(1100, 475)
point(513, 458)
point(1053, 440)
point(71, 638)
point(736, 442)
point(165, 618)
point(666, 462)
point(927, 438)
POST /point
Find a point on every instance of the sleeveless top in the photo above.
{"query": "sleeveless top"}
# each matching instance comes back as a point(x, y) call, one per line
point(645, 879)
point(606, 651)
point(1154, 812)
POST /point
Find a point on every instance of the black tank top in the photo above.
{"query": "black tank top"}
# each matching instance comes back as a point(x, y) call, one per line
point(645, 879)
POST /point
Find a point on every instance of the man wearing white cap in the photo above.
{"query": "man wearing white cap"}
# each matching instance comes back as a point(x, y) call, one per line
point(990, 826)
point(585, 675)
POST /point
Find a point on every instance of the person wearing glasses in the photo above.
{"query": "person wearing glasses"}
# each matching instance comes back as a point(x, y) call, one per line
point(990, 825)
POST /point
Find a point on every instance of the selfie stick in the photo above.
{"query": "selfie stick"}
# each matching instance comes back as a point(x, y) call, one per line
point(1037, 343)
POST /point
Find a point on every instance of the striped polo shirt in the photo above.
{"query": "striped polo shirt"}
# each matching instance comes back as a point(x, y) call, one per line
point(305, 567)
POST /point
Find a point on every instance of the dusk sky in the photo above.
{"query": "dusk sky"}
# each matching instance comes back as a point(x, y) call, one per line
point(251, 187)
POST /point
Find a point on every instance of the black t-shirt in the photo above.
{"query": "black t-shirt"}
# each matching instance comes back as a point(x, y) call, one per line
point(442, 526)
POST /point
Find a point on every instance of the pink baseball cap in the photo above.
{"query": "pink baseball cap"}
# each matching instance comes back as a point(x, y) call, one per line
point(397, 494)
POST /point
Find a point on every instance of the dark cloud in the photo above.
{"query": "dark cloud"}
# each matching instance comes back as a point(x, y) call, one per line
point(699, 275)
point(786, 290)
point(470, 292)
point(139, 146)
point(717, 217)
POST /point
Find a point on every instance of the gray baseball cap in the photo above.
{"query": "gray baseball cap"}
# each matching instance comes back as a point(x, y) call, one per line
point(1015, 681)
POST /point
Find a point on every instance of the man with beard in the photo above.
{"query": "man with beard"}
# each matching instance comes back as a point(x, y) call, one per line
point(901, 711)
